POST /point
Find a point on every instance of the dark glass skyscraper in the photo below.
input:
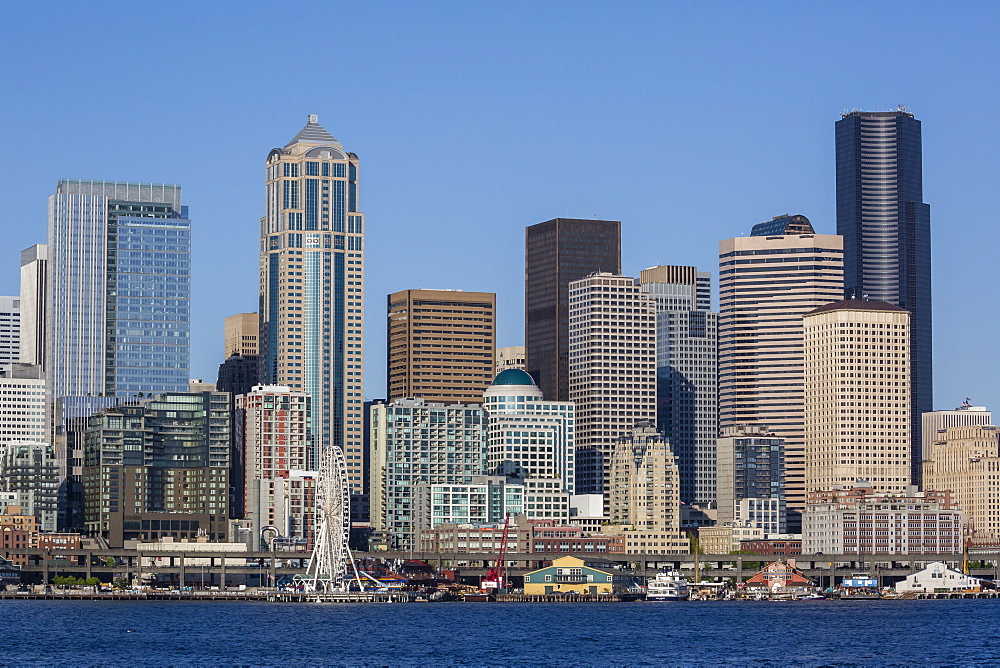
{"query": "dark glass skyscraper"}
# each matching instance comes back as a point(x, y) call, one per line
point(556, 252)
point(887, 235)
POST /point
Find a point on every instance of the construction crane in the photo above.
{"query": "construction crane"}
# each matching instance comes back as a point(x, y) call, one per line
point(494, 580)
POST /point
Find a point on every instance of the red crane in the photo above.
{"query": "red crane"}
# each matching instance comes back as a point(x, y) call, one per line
point(494, 579)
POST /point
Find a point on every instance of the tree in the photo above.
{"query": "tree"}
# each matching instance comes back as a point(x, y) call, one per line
point(121, 583)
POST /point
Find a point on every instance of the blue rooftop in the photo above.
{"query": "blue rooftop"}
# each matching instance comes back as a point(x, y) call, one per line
point(782, 225)
point(513, 377)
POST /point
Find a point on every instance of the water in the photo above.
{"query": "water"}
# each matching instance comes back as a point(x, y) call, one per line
point(820, 633)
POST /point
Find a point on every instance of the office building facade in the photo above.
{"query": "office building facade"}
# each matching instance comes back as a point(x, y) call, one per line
point(557, 252)
point(241, 334)
point(857, 396)
point(23, 415)
point(767, 281)
point(30, 469)
point(440, 345)
point(934, 423)
point(509, 357)
point(887, 233)
point(751, 468)
point(119, 295)
point(312, 287)
point(612, 370)
point(10, 330)
point(34, 288)
point(687, 373)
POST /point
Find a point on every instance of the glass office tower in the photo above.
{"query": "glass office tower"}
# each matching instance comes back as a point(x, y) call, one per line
point(312, 287)
point(119, 289)
point(887, 234)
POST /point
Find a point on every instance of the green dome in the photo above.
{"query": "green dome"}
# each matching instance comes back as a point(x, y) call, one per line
point(513, 377)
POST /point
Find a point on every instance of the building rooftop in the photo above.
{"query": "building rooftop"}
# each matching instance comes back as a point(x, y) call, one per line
point(856, 305)
point(513, 377)
point(782, 225)
point(313, 133)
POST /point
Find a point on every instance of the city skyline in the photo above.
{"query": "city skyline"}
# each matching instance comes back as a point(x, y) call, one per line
point(768, 158)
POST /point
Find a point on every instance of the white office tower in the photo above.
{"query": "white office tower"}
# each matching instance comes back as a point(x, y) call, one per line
point(612, 370)
point(935, 423)
point(34, 275)
point(10, 330)
point(22, 404)
point(528, 437)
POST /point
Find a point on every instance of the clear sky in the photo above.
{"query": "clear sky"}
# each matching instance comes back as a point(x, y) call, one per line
point(689, 122)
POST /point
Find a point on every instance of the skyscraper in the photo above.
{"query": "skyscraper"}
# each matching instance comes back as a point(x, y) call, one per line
point(857, 396)
point(34, 277)
point(440, 345)
point(687, 373)
point(119, 316)
point(767, 281)
point(887, 233)
point(312, 287)
point(612, 370)
point(241, 334)
point(10, 330)
point(556, 252)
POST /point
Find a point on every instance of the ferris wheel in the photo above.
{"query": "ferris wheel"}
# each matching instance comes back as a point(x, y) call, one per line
point(331, 558)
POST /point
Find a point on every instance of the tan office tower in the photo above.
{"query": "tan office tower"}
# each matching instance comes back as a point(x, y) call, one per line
point(934, 423)
point(241, 333)
point(312, 288)
point(441, 345)
point(612, 370)
point(966, 460)
point(857, 396)
point(767, 282)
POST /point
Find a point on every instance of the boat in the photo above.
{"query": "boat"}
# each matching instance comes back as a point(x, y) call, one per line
point(859, 587)
point(812, 597)
point(667, 586)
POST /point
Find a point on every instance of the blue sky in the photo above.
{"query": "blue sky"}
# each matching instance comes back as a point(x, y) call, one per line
point(689, 122)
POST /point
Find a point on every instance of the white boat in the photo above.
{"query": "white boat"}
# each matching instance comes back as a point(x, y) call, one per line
point(667, 586)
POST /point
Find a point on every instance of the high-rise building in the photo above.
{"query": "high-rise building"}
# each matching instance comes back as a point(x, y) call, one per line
point(934, 423)
point(416, 443)
point(751, 478)
point(440, 345)
point(119, 289)
point(767, 281)
point(275, 441)
point(22, 404)
point(312, 287)
point(34, 278)
point(10, 330)
point(241, 334)
point(857, 396)
point(238, 374)
point(966, 460)
point(528, 437)
point(687, 373)
point(509, 357)
point(30, 469)
point(612, 370)
point(887, 233)
point(159, 468)
point(557, 252)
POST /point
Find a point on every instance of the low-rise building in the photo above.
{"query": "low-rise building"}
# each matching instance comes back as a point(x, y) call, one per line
point(549, 536)
point(773, 546)
point(860, 520)
point(938, 577)
point(477, 538)
point(780, 578)
point(726, 538)
point(579, 575)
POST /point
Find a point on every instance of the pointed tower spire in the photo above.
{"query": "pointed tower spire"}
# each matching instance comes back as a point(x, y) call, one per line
point(313, 133)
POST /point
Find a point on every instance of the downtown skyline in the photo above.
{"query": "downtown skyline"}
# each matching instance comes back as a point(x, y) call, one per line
point(434, 192)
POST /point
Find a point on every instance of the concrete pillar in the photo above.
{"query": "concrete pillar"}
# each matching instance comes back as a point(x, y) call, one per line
point(182, 574)
point(222, 582)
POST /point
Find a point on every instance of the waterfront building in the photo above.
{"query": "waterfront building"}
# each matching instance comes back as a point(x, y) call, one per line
point(937, 577)
point(34, 288)
point(862, 520)
point(558, 252)
point(118, 304)
point(159, 468)
point(10, 330)
point(241, 334)
point(934, 423)
point(724, 538)
point(751, 477)
point(509, 357)
point(687, 373)
point(857, 396)
point(886, 228)
point(579, 575)
point(548, 536)
point(528, 437)
point(773, 545)
point(22, 404)
point(767, 281)
point(415, 442)
point(477, 538)
point(30, 469)
point(779, 578)
point(612, 370)
point(312, 288)
point(966, 460)
point(440, 345)
point(489, 499)
point(274, 439)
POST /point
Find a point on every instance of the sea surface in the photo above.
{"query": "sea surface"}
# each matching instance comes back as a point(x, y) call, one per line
point(801, 633)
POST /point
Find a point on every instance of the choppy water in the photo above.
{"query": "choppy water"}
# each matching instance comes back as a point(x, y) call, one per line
point(821, 633)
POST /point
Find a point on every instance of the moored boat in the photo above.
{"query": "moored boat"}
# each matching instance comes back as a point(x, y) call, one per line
point(667, 586)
